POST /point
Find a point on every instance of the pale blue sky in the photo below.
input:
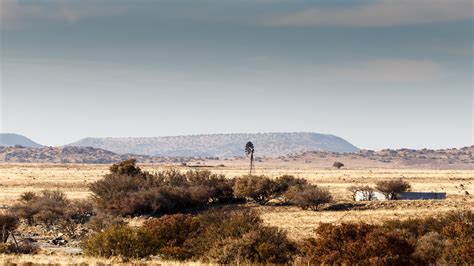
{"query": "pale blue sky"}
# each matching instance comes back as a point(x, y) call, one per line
point(381, 74)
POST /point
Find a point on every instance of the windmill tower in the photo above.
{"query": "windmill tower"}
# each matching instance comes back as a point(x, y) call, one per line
point(249, 149)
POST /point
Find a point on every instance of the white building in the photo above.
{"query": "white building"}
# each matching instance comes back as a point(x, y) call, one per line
point(363, 196)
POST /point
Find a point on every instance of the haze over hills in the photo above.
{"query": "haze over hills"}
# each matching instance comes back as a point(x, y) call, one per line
point(461, 159)
point(222, 145)
point(11, 139)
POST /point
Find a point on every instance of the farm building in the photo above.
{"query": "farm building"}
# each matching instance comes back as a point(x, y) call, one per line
point(363, 195)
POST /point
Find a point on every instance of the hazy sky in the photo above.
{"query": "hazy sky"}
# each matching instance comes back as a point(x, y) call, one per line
point(381, 74)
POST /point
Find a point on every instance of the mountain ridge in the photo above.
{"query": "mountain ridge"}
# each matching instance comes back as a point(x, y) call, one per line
point(221, 145)
point(12, 139)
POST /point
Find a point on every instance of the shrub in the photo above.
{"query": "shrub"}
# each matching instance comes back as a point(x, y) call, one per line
point(308, 196)
point(220, 224)
point(459, 229)
point(8, 224)
point(337, 165)
point(366, 191)
point(127, 167)
point(390, 188)
point(27, 196)
point(263, 245)
point(120, 240)
point(49, 207)
point(430, 247)
point(79, 211)
point(102, 221)
point(261, 189)
point(230, 236)
point(174, 234)
point(220, 189)
point(285, 182)
point(356, 244)
point(445, 240)
point(127, 190)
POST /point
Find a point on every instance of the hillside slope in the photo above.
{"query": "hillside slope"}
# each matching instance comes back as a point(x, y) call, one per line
point(10, 139)
point(87, 155)
point(222, 145)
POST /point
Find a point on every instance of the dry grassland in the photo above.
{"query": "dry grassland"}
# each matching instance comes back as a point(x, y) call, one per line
point(73, 180)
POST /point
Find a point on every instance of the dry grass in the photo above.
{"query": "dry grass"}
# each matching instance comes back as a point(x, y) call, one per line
point(61, 259)
point(73, 180)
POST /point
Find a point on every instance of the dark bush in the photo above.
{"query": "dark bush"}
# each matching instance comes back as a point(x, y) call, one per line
point(129, 191)
point(285, 182)
point(459, 231)
point(49, 207)
point(27, 196)
point(127, 167)
point(102, 220)
point(174, 235)
point(430, 247)
point(261, 189)
point(220, 189)
point(79, 211)
point(308, 196)
point(121, 240)
point(445, 240)
point(267, 245)
point(201, 237)
point(356, 244)
point(390, 188)
point(8, 224)
point(337, 165)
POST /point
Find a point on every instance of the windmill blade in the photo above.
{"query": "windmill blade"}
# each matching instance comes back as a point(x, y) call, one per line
point(249, 148)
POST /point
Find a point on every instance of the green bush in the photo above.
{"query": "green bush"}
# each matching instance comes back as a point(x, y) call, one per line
point(308, 196)
point(121, 240)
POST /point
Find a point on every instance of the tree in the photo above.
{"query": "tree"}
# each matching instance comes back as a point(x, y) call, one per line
point(390, 188)
point(259, 188)
point(308, 196)
point(366, 191)
point(337, 165)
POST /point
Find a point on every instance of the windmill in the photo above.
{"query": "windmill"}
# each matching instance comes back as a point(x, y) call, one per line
point(249, 149)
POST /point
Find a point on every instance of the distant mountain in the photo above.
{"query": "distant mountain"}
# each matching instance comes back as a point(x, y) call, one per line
point(10, 139)
point(18, 154)
point(222, 145)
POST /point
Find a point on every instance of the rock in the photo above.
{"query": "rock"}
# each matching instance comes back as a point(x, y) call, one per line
point(59, 241)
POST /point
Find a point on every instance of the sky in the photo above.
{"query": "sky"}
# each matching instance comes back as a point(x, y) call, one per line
point(380, 74)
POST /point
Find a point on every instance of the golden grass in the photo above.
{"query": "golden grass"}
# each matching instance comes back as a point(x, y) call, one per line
point(61, 259)
point(73, 180)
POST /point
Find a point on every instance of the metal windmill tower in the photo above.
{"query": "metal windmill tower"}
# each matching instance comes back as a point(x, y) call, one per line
point(249, 149)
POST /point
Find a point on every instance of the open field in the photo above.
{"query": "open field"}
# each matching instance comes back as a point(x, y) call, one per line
point(458, 184)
